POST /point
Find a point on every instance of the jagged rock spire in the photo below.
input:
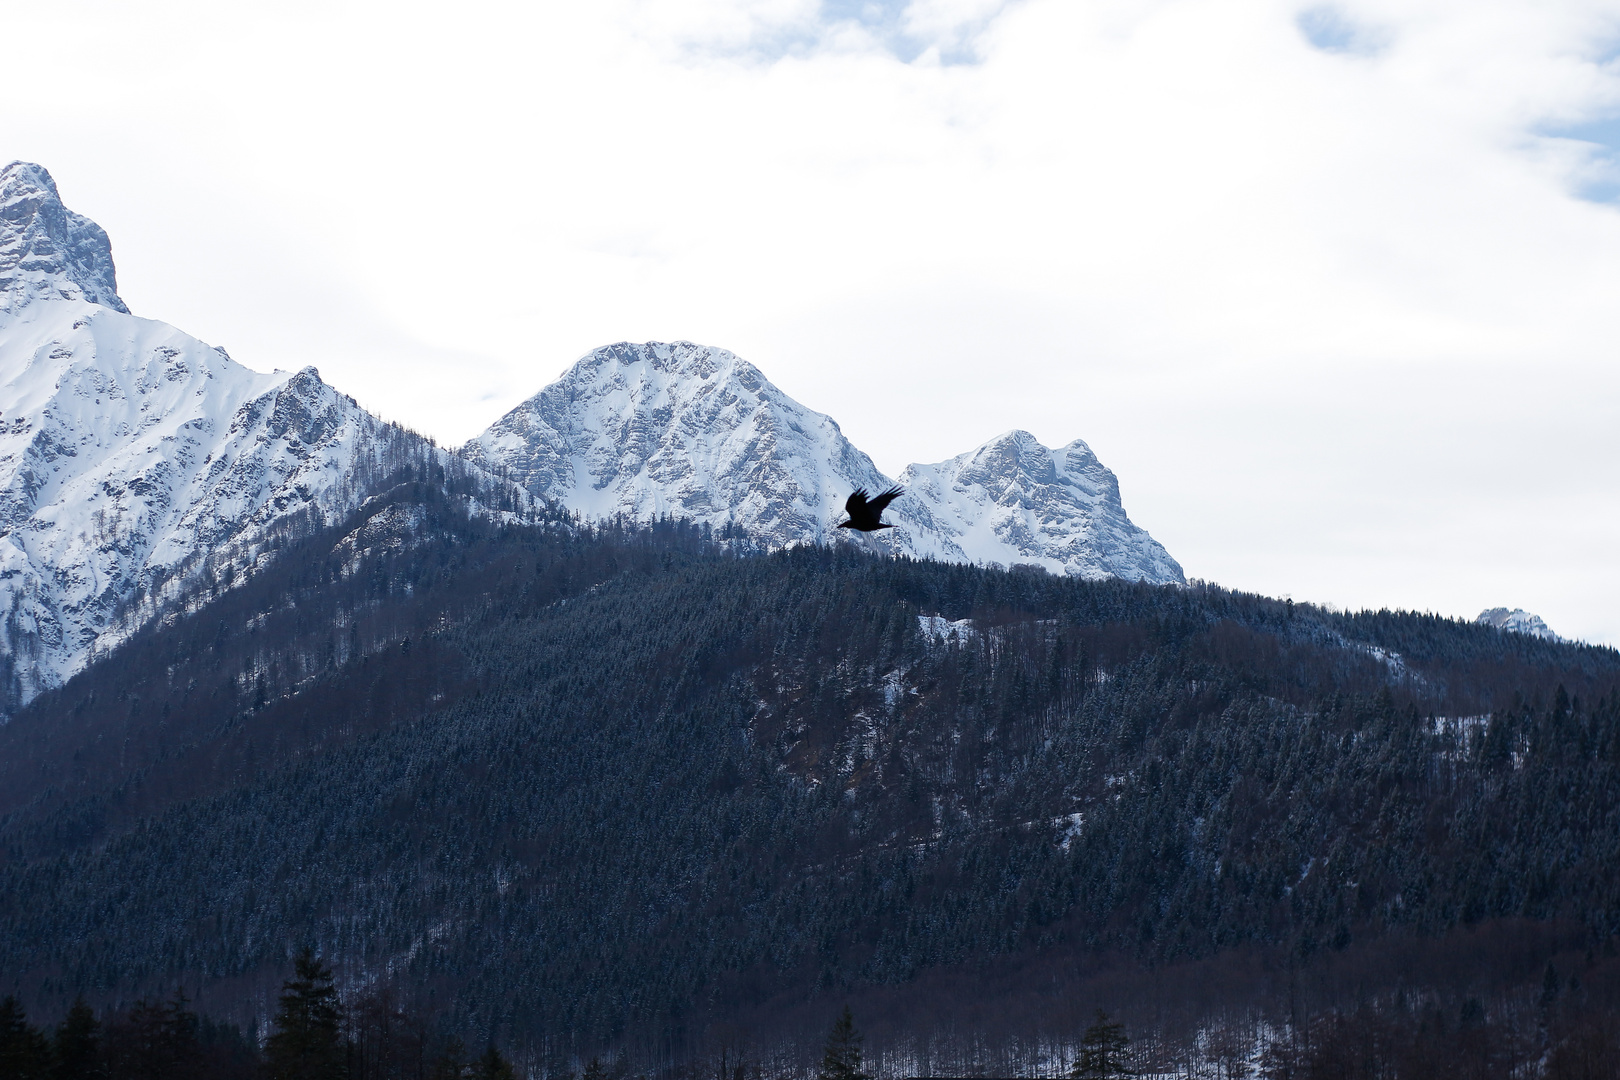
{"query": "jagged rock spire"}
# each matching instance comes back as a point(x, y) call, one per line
point(46, 250)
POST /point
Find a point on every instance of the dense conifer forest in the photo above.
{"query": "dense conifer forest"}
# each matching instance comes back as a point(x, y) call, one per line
point(645, 796)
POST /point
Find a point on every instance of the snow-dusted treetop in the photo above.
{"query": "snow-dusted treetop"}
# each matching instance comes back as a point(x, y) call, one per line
point(1518, 620)
point(46, 250)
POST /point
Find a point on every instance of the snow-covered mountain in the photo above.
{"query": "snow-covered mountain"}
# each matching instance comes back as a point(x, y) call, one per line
point(1014, 501)
point(644, 430)
point(1518, 620)
point(686, 431)
point(137, 462)
point(132, 454)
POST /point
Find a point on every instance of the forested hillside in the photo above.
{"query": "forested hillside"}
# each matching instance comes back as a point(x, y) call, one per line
point(584, 788)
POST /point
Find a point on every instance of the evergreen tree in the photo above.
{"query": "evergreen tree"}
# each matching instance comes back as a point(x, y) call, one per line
point(841, 1060)
point(25, 1054)
point(1550, 982)
point(1102, 1050)
point(226, 1053)
point(156, 1041)
point(78, 1045)
point(451, 1062)
point(595, 1070)
point(492, 1066)
point(308, 1042)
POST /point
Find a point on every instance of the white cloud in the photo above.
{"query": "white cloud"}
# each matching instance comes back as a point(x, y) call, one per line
point(1341, 315)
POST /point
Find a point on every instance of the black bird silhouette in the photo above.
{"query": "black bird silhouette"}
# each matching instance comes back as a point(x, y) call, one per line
point(866, 514)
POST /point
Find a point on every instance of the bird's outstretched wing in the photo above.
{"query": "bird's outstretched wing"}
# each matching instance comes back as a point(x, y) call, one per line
point(884, 499)
point(855, 505)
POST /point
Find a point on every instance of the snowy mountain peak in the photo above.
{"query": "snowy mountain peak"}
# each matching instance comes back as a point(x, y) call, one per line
point(1017, 458)
point(46, 250)
point(1517, 620)
point(1014, 501)
point(683, 430)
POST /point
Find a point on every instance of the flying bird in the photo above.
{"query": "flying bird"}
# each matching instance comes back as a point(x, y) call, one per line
point(866, 514)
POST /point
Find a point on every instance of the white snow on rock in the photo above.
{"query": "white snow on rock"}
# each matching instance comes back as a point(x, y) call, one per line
point(937, 629)
point(132, 453)
point(1013, 501)
point(1517, 620)
point(689, 431)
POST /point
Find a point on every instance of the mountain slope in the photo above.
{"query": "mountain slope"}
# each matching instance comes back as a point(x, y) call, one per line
point(587, 787)
point(134, 457)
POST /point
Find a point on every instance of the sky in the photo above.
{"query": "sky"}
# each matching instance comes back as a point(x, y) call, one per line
point(1333, 288)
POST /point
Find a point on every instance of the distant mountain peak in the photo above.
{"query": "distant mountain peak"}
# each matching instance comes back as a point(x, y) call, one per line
point(1014, 501)
point(1517, 620)
point(46, 250)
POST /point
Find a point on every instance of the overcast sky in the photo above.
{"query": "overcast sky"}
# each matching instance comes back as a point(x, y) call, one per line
point(1333, 288)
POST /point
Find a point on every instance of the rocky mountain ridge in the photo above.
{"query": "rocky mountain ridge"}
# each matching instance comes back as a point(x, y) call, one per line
point(687, 430)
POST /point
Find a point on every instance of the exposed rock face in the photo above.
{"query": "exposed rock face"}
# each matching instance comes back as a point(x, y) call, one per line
point(46, 250)
point(1014, 501)
point(689, 431)
point(1517, 620)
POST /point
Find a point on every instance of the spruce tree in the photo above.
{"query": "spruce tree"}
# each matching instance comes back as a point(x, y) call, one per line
point(156, 1040)
point(1102, 1050)
point(841, 1060)
point(25, 1054)
point(492, 1066)
point(450, 1063)
point(78, 1045)
point(308, 1042)
point(1550, 983)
